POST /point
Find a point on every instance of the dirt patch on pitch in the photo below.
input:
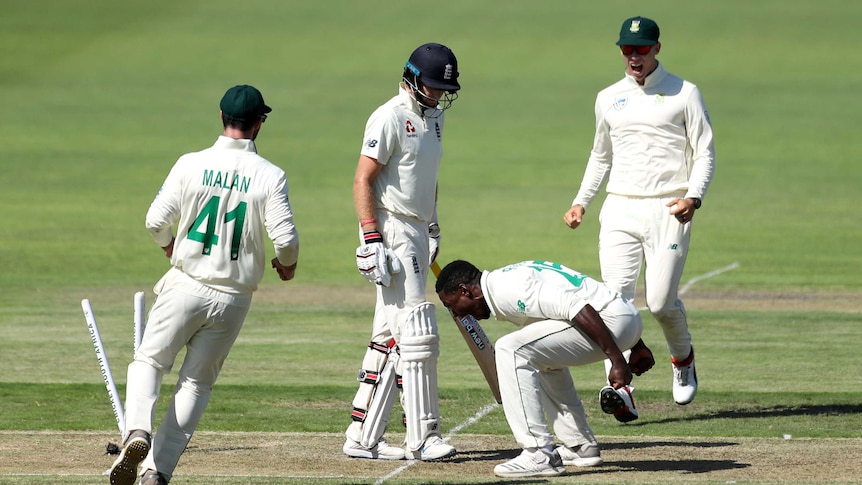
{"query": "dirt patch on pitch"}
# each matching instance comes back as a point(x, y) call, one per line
point(302, 457)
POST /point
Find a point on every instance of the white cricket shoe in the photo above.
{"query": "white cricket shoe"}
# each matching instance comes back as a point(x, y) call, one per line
point(381, 451)
point(532, 464)
point(684, 380)
point(587, 454)
point(619, 402)
point(434, 448)
point(124, 471)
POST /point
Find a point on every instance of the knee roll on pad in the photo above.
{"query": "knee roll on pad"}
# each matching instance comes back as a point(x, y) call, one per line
point(420, 346)
point(373, 363)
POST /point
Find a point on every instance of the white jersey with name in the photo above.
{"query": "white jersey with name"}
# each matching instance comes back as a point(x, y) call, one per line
point(532, 291)
point(409, 146)
point(651, 141)
point(222, 199)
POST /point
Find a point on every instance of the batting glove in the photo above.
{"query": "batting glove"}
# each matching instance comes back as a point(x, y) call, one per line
point(433, 242)
point(375, 262)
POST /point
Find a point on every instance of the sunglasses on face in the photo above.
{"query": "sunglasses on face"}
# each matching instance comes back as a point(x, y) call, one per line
point(641, 50)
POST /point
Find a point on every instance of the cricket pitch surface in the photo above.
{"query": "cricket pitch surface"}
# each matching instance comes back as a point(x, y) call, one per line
point(239, 457)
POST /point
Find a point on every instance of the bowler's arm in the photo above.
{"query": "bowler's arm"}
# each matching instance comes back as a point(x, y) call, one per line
point(590, 322)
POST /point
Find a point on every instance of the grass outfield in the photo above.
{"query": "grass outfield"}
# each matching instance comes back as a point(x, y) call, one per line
point(101, 97)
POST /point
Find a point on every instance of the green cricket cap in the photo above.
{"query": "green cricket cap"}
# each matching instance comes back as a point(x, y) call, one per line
point(639, 31)
point(243, 103)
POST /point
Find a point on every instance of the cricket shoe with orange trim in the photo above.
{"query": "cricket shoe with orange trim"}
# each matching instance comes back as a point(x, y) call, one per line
point(684, 379)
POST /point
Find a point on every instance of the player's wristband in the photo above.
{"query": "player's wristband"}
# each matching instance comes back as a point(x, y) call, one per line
point(372, 237)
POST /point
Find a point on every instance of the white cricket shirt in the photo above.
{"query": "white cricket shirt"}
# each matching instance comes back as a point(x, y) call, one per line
point(223, 199)
point(410, 147)
point(651, 141)
point(532, 291)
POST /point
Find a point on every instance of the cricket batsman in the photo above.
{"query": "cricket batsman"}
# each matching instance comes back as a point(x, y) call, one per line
point(395, 198)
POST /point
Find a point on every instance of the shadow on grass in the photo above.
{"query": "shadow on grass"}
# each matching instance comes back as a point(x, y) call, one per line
point(484, 455)
point(685, 466)
point(823, 410)
point(654, 444)
point(689, 466)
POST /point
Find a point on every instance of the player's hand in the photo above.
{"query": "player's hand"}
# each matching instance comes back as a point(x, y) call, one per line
point(641, 358)
point(574, 216)
point(286, 273)
point(377, 263)
point(433, 242)
point(169, 249)
point(620, 375)
point(682, 209)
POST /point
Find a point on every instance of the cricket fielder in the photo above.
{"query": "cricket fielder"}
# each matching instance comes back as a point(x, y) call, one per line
point(223, 201)
point(395, 198)
point(654, 147)
point(566, 319)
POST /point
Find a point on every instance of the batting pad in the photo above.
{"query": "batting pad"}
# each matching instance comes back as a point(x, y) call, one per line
point(420, 347)
point(376, 396)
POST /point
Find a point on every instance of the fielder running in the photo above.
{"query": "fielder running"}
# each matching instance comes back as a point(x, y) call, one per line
point(223, 201)
point(567, 319)
point(654, 147)
point(395, 197)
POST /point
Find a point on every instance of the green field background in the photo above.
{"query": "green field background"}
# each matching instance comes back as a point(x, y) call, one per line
point(99, 98)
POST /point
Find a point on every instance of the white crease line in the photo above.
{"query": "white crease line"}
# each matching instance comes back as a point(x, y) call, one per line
point(694, 280)
point(476, 417)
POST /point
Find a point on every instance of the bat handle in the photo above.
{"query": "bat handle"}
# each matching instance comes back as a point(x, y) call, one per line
point(435, 268)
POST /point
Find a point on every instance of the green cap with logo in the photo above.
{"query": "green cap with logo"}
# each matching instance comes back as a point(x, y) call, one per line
point(638, 31)
point(243, 103)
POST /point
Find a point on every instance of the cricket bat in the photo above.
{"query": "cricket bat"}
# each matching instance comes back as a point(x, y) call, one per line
point(479, 344)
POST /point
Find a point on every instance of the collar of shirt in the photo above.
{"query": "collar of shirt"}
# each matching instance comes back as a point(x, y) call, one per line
point(243, 144)
point(652, 79)
point(409, 101)
point(483, 282)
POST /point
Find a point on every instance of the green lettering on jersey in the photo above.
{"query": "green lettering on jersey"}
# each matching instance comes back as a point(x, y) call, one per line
point(573, 276)
point(225, 181)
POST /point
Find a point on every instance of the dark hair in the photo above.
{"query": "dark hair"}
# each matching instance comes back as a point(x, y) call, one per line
point(454, 274)
point(243, 126)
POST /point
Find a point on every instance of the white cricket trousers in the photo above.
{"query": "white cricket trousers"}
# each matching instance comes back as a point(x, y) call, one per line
point(634, 230)
point(204, 321)
point(532, 366)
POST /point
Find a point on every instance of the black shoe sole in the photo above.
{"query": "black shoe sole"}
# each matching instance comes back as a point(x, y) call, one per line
point(125, 469)
point(612, 403)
